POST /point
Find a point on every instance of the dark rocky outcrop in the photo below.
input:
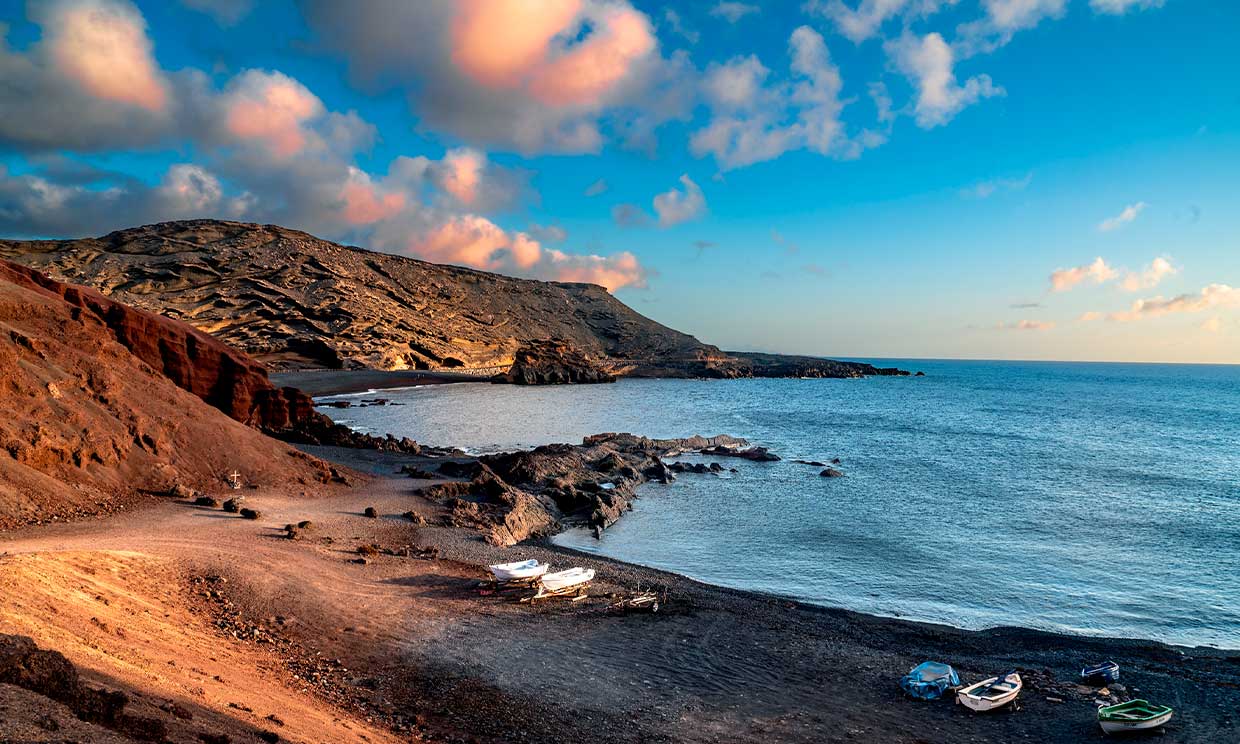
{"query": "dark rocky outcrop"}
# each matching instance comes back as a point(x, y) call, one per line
point(514, 496)
point(832, 473)
point(293, 301)
point(552, 363)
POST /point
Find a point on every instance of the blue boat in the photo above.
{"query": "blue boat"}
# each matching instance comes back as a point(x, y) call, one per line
point(1101, 674)
point(929, 680)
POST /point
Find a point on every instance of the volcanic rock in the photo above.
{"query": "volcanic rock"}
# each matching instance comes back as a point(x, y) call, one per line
point(756, 454)
point(832, 473)
point(553, 362)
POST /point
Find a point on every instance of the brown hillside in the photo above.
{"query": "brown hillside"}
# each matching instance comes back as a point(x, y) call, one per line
point(87, 422)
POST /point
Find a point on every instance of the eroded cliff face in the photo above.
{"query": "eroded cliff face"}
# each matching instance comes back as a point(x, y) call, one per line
point(293, 301)
point(101, 402)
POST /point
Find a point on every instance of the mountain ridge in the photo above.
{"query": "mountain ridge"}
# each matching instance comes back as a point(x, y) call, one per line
point(294, 301)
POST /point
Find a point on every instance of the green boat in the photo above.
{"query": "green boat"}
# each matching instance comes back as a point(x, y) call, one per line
point(1134, 715)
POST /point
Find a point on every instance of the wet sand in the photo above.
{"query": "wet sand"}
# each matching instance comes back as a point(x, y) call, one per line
point(423, 653)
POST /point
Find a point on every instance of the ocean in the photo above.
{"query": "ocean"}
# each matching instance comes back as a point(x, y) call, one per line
point(1097, 499)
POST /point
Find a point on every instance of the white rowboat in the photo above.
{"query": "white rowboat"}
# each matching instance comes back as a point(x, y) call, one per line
point(990, 693)
point(530, 569)
point(561, 580)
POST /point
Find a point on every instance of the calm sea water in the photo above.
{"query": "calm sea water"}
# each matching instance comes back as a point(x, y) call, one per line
point(1087, 498)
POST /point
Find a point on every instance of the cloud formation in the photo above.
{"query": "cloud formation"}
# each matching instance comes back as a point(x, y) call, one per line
point(1159, 269)
point(494, 73)
point(1096, 272)
point(754, 119)
point(1120, 7)
point(1126, 215)
point(986, 189)
point(1210, 297)
point(1026, 325)
point(676, 206)
point(865, 19)
point(734, 11)
point(928, 62)
point(1002, 20)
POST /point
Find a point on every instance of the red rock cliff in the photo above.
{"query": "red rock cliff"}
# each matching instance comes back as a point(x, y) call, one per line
point(206, 367)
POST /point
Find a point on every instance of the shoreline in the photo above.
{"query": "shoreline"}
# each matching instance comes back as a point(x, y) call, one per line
point(430, 654)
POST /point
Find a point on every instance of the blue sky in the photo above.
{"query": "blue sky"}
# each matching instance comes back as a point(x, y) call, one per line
point(854, 178)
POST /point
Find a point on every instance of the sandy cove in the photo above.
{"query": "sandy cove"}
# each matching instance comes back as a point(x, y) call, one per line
point(241, 627)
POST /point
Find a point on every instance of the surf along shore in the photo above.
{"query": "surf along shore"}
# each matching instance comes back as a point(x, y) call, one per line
point(198, 611)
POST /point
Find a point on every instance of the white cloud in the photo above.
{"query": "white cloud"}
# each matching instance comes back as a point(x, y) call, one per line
point(754, 119)
point(1097, 272)
point(928, 62)
point(598, 187)
point(866, 19)
point(1002, 20)
point(986, 189)
point(1126, 215)
point(1120, 7)
point(733, 11)
point(1159, 269)
point(675, 206)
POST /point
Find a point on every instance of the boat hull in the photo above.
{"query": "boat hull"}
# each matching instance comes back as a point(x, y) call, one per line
point(969, 697)
point(1121, 727)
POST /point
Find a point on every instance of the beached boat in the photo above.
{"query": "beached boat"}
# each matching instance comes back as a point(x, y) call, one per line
point(989, 694)
point(1134, 715)
point(1104, 673)
point(530, 569)
point(929, 680)
point(563, 580)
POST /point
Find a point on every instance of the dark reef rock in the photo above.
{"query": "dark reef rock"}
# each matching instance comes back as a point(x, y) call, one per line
point(514, 496)
point(832, 473)
point(755, 454)
point(553, 363)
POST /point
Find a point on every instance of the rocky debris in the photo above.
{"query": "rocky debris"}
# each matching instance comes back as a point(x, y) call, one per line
point(414, 517)
point(179, 491)
point(552, 362)
point(295, 302)
point(335, 404)
point(755, 454)
point(418, 473)
point(251, 514)
point(50, 674)
point(514, 496)
point(832, 473)
point(813, 463)
point(233, 506)
point(368, 550)
point(920, 374)
point(208, 501)
point(371, 512)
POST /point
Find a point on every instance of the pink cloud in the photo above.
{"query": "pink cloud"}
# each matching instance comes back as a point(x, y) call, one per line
point(525, 251)
point(506, 45)
point(102, 47)
point(462, 173)
point(362, 202)
point(1096, 271)
point(1210, 297)
point(612, 272)
point(1026, 325)
point(1159, 269)
point(468, 240)
point(591, 68)
point(270, 108)
point(499, 42)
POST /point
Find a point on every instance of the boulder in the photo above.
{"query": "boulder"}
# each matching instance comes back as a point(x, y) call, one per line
point(208, 501)
point(832, 473)
point(251, 514)
point(756, 454)
point(371, 512)
point(233, 505)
